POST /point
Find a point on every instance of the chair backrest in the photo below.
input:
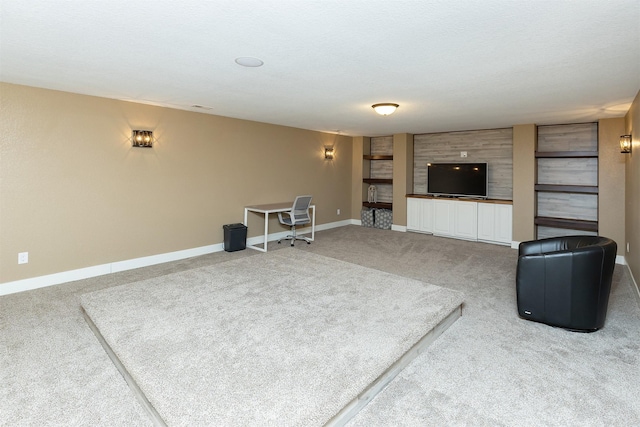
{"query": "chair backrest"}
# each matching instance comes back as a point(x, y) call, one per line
point(300, 209)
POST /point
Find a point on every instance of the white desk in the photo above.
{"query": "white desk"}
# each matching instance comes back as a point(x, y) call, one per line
point(274, 208)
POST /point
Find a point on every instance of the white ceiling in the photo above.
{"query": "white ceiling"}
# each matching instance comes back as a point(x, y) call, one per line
point(450, 64)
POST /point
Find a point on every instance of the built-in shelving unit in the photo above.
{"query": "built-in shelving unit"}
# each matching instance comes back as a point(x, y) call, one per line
point(380, 167)
point(567, 180)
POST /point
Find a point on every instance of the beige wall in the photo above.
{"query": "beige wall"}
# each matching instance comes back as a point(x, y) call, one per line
point(632, 189)
point(524, 178)
point(402, 176)
point(611, 173)
point(74, 193)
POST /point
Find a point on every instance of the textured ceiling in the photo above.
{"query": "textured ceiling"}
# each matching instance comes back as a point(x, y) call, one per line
point(451, 65)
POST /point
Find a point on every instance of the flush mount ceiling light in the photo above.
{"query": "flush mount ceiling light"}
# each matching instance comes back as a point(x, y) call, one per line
point(385, 108)
point(247, 61)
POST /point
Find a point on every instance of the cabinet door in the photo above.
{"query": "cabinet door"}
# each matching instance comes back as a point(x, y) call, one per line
point(503, 223)
point(420, 215)
point(486, 221)
point(494, 222)
point(414, 214)
point(443, 217)
point(466, 220)
point(426, 225)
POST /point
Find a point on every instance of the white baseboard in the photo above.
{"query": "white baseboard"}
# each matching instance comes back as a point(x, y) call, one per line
point(130, 264)
point(633, 280)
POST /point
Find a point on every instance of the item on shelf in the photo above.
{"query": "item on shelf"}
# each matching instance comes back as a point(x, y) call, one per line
point(373, 194)
point(383, 218)
point(366, 217)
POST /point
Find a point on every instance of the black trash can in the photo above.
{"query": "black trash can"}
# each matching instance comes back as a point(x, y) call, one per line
point(235, 237)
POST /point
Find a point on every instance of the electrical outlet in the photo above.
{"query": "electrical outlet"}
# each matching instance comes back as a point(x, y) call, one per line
point(23, 257)
point(338, 211)
point(463, 154)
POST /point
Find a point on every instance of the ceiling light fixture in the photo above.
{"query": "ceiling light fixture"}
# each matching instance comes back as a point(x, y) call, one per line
point(385, 108)
point(248, 61)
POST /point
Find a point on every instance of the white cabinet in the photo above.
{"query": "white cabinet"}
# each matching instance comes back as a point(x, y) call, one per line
point(495, 222)
point(465, 225)
point(443, 217)
point(461, 219)
point(420, 215)
point(454, 218)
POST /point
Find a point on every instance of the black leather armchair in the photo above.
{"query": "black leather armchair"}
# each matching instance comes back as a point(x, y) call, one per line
point(566, 281)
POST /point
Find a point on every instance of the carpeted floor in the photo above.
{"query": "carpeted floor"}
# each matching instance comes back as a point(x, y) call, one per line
point(284, 338)
point(488, 368)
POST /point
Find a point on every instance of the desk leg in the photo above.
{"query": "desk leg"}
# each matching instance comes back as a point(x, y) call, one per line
point(313, 224)
point(266, 230)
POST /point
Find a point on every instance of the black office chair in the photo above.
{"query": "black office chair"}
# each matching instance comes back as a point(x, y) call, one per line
point(298, 215)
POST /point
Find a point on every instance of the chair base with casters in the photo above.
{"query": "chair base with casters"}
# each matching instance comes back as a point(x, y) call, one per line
point(566, 281)
point(293, 237)
point(299, 215)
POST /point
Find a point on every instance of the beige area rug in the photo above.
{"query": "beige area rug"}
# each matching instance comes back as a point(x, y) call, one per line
point(284, 338)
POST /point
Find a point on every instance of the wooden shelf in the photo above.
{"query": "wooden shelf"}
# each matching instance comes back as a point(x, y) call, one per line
point(378, 205)
point(378, 180)
point(377, 157)
point(583, 189)
point(565, 154)
point(574, 224)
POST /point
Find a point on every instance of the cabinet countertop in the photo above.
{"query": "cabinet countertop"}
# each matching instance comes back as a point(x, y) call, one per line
point(461, 199)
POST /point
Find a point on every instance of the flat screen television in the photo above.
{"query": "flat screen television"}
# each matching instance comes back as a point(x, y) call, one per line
point(457, 179)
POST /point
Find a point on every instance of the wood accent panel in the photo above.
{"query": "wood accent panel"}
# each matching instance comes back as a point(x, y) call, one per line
point(547, 232)
point(493, 146)
point(382, 145)
point(570, 137)
point(568, 205)
point(564, 171)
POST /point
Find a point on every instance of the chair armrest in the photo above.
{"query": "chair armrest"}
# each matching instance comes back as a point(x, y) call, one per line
point(288, 213)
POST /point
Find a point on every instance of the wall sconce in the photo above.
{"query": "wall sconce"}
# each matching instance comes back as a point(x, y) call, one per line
point(385, 108)
point(625, 144)
point(328, 153)
point(142, 138)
